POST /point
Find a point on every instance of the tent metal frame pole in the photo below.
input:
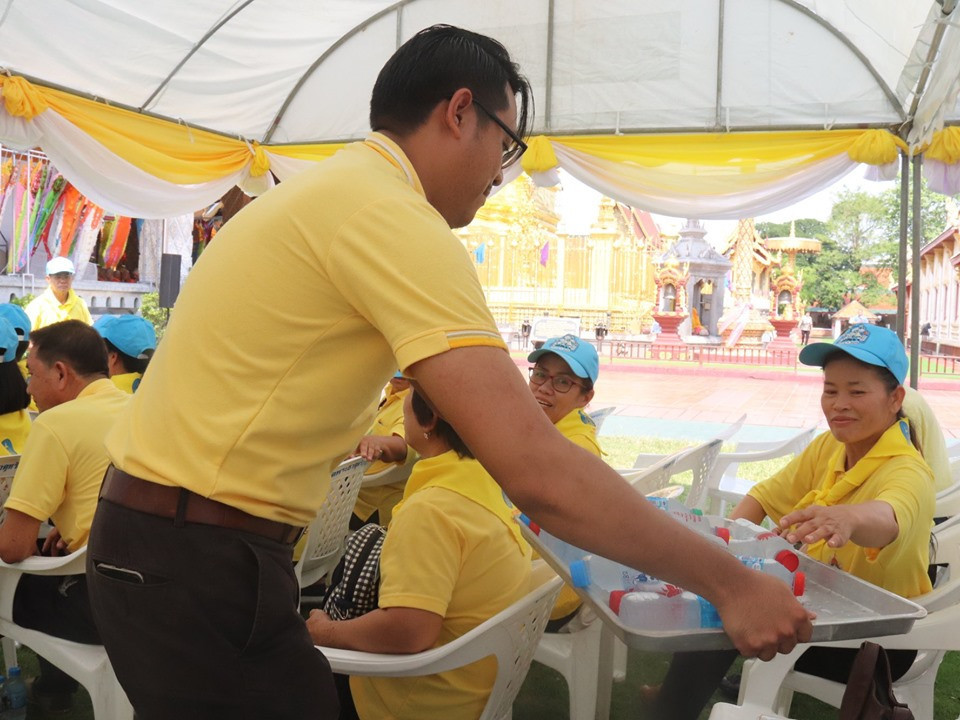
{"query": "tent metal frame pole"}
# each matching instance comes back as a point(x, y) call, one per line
point(719, 104)
point(915, 340)
point(902, 263)
point(548, 78)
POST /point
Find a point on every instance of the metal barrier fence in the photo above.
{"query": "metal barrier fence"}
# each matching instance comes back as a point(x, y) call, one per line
point(939, 365)
point(700, 354)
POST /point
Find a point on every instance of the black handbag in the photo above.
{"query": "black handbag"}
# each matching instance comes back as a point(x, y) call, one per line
point(869, 694)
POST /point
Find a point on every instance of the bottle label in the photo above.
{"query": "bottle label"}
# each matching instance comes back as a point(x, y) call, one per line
point(754, 563)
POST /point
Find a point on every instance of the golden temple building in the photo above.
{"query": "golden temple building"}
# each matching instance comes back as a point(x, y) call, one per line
point(528, 268)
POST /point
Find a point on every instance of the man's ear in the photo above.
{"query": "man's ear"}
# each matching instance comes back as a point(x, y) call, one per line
point(64, 373)
point(456, 110)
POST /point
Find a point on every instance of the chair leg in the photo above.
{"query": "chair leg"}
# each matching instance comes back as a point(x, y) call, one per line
point(582, 681)
point(108, 699)
point(619, 661)
point(9, 653)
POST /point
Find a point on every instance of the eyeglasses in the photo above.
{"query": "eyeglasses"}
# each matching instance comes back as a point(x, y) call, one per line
point(561, 383)
point(519, 147)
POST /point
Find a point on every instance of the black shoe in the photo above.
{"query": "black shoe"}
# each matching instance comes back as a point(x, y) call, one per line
point(51, 703)
point(730, 687)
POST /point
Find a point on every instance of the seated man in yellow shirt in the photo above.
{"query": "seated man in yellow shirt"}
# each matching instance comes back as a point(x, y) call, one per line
point(61, 468)
point(131, 341)
point(385, 447)
point(58, 302)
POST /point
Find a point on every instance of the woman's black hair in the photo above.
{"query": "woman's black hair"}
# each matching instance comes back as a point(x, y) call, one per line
point(889, 381)
point(424, 414)
point(13, 389)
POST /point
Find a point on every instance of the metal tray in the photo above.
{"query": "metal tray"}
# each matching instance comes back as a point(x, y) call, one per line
point(847, 608)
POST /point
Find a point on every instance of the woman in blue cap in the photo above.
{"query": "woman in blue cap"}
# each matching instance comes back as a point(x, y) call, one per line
point(860, 497)
point(562, 378)
point(14, 398)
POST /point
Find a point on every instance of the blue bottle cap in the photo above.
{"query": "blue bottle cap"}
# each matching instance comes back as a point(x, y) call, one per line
point(14, 671)
point(580, 574)
point(709, 617)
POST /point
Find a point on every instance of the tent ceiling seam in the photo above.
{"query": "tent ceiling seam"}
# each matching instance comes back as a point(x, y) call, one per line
point(396, 7)
point(932, 51)
point(183, 61)
point(891, 96)
point(720, 20)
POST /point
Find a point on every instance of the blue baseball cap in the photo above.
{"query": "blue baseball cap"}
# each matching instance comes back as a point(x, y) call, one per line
point(8, 341)
point(868, 343)
point(579, 355)
point(130, 334)
point(16, 316)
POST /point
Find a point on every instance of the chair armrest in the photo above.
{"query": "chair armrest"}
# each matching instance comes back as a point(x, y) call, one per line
point(72, 564)
point(436, 660)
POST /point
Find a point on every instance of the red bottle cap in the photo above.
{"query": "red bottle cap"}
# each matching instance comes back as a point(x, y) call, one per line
point(723, 533)
point(534, 528)
point(788, 558)
point(615, 597)
point(799, 583)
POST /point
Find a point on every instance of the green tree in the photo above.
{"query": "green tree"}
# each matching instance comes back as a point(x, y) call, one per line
point(933, 213)
point(151, 310)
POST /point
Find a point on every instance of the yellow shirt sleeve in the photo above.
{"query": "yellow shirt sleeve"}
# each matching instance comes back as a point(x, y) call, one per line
point(420, 291)
point(410, 576)
point(39, 486)
point(779, 493)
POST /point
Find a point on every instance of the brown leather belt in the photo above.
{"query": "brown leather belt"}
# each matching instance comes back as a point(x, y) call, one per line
point(185, 506)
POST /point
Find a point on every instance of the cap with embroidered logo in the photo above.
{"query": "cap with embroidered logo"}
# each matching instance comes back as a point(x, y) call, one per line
point(868, 343)
point(579, 355)
point(130, 334)
point(60, 265)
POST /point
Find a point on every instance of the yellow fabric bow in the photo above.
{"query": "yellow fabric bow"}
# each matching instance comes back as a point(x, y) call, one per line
point(21, 98)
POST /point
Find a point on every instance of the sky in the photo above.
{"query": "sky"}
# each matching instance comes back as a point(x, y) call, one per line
point(577, 206)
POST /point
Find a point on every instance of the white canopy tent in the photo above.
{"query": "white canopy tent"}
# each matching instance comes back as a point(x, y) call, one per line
point(705, 108)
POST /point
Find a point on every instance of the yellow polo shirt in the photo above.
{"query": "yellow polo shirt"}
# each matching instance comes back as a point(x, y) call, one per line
point(904, 481)
point(63, 461)
point(128, 382)
point(45, 309)
point(579, 429)
point(14, 429)
point(452, 549)
point(288, 327)
point(389, 421)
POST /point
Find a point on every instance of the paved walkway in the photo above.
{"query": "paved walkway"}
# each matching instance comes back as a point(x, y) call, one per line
point(769, 398)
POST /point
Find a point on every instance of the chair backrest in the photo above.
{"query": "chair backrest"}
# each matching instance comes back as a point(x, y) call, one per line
point(8, 468)
point(599, 416)
point(653, 477)
point(513, 636)
point(732, 429)
point(700, 459)
point(326, 534)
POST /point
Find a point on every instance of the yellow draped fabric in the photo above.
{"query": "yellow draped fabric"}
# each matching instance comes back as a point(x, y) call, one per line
point(20, 97)
point(945, 146)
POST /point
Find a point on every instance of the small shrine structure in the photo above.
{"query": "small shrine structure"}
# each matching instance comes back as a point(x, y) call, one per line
point(743, 323)
point(785, 306)
point(696, 291)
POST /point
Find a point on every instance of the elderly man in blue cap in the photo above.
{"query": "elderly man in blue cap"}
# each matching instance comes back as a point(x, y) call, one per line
point(58, 302)
point(130, 342)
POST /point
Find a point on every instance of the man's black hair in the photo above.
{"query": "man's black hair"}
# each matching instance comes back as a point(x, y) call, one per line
point(435, 63)
point(74, 343)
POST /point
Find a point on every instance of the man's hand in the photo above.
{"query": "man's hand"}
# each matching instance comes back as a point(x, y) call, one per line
point(53, 544)
point(317, 625)
point(762, 617)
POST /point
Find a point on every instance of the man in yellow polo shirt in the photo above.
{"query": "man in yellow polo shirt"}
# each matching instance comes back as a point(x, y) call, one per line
point(58, 302)
point(59, 475)
point(270, 372)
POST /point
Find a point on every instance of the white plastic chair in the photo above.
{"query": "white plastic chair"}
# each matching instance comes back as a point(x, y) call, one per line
point(576, 655)
point(722, 485)
point(511, 635)
point(8, 468)
point(645, 460)
point(87, 664)
point(329, 529)
point(396, 473)
point(772, 685)
point(726, 711)
point(599, 416)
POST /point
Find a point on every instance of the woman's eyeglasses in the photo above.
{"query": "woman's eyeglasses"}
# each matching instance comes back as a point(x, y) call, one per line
point(518, 148)
point(561, 383)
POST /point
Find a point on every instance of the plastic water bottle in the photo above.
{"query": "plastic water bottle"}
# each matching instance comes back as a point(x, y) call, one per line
point(563, 550)
point(4, 706)
point(653, 611)
point(767, 545)
point(796, 581)
point(16, 693)
point(611, 576)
